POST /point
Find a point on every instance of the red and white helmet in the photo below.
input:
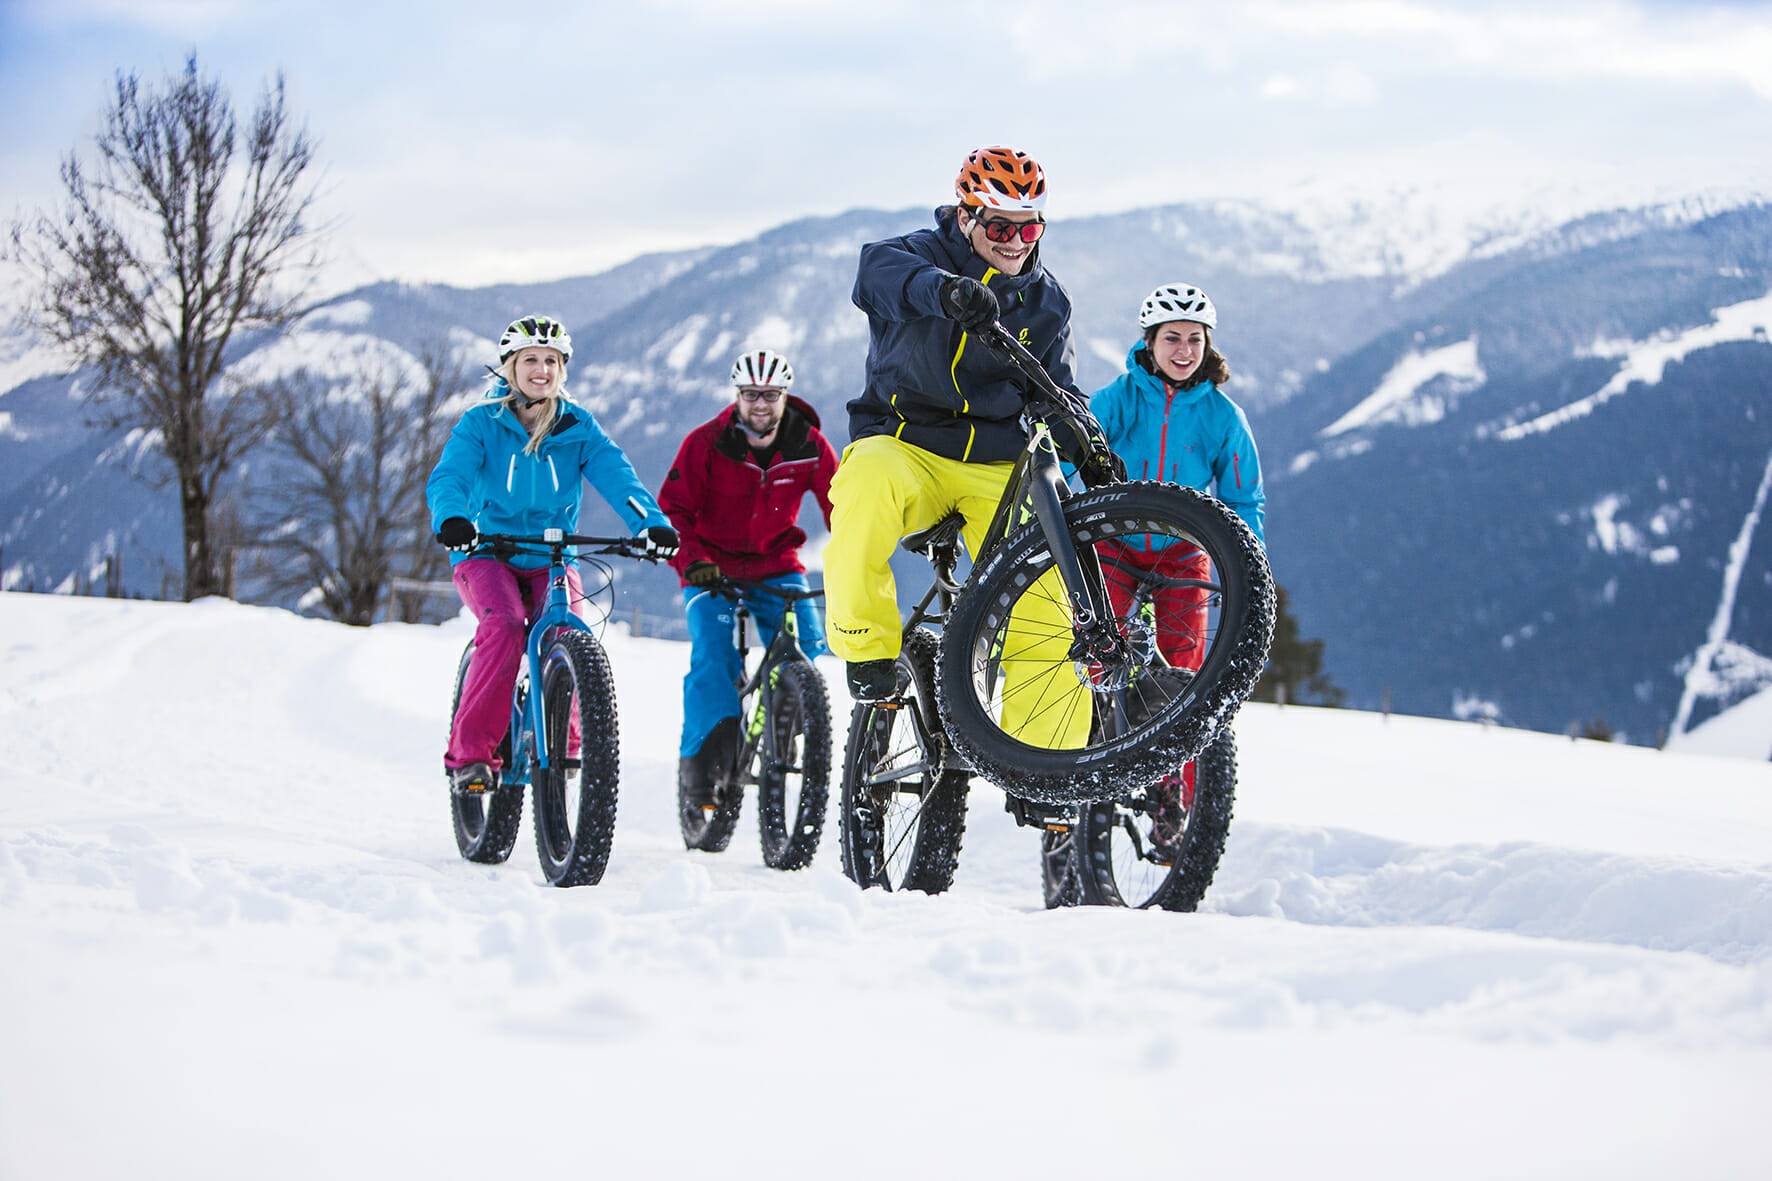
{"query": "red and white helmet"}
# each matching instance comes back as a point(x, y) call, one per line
point(1177, 301)
point(1001, 178)
point(764, 368)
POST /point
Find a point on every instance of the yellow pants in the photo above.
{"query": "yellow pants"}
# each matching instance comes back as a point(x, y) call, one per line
point(885, 489)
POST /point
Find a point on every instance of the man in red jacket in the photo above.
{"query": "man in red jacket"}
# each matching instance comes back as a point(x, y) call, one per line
point(733, 495)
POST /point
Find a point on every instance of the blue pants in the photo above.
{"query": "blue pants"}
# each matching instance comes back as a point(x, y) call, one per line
point(710, 689)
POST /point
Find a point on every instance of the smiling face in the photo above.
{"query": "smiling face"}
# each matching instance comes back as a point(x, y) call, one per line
point(538, 372)
point(1009, 257)
point(1177, 348)
point(761, 408)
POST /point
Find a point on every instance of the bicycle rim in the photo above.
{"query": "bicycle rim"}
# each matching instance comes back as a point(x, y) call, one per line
point(1056, 711)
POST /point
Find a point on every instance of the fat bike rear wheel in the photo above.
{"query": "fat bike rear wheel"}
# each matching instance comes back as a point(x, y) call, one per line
point(903, 811)
point(485, 822)
point(1154, 847)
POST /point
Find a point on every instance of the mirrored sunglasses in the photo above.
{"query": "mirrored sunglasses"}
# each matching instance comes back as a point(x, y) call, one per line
point(1001, 229)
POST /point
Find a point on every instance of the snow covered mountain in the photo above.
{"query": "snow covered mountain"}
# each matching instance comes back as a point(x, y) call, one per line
point(1515, 468)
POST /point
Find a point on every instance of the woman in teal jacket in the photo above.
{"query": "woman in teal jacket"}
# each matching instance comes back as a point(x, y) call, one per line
point(1166, 415)
point(1168, 419)
point(516, 463)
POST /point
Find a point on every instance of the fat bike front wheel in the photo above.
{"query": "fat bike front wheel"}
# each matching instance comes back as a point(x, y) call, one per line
point(575, 794)
point(1064, 710)
point(792, 765)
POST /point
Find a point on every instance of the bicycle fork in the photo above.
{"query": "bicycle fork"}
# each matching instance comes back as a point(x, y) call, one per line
point(1097, 641)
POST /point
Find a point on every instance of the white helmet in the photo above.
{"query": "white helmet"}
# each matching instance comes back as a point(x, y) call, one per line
point(763, 367)
point(535, 332)
point(1177, 301)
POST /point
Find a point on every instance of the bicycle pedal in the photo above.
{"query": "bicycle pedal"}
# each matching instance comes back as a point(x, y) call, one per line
point(1051, 817)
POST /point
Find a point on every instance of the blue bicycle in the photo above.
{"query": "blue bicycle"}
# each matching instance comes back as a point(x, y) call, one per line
point(562, 741)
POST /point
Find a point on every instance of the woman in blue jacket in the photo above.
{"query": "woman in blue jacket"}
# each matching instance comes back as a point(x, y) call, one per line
point(516, 463)
point(1168, 418)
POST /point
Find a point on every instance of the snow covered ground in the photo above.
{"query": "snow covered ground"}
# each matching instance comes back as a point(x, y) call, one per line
point(238, 942)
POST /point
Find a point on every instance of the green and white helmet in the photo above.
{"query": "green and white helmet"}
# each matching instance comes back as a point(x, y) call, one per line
point(763, 368)
point(535, 332)
point(1177, 301)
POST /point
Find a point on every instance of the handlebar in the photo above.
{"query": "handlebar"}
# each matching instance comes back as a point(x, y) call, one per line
point(1049, 396)
point(733, 587)
point(553, 543)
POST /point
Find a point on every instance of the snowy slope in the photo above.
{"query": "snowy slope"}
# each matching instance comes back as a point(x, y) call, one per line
point(239, 943)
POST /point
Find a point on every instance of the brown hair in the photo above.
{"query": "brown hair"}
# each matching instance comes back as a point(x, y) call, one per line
point(1213, 367)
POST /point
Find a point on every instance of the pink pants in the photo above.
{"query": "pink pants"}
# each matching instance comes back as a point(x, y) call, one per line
point(501, 598)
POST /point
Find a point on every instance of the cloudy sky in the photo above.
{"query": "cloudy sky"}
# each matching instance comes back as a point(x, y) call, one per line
point(475, 143)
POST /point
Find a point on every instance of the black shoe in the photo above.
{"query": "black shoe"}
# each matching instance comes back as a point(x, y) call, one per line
point(873, 680)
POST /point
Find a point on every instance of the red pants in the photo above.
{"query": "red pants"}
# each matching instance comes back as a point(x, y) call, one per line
point(1180, 611)
point(502, 598)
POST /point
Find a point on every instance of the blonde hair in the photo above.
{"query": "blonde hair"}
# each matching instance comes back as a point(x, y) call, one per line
point(507, 373)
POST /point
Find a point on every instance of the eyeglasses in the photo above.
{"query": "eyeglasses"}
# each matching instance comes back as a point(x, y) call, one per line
point(764, 395)
point(1001, 229)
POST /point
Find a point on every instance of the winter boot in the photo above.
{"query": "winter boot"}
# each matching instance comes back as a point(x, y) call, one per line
point(700, 775)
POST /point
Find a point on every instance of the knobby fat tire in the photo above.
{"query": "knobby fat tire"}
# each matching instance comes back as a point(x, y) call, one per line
point(925, 843)
point(794, 691)
point(485, 823)
point(1102, 843)
point(1173, 733)
point(574, 846)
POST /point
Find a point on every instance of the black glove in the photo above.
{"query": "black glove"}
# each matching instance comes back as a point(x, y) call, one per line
point(661, 542)
point(702, 572)
point(458, 533)
point(1102, 467)
point(968, 302)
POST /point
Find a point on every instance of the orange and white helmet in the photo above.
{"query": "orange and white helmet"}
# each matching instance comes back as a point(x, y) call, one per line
point(1001, 178)
point(763, 368)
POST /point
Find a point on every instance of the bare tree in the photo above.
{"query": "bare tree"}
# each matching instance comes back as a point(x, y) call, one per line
point(340, 509)
point(172, 247)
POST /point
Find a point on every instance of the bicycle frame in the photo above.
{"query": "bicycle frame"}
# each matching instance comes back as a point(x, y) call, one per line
point(783, 648)
point(1037, 487)
point(529, 736)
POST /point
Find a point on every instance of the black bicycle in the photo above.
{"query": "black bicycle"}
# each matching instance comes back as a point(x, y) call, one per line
point(1034, 645)
point(562, 740)
point(783, 748)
